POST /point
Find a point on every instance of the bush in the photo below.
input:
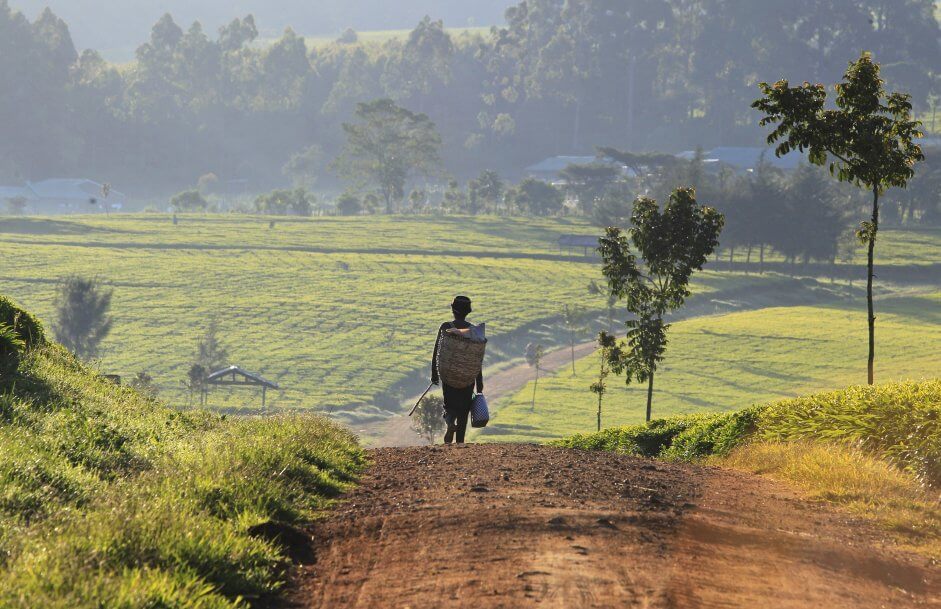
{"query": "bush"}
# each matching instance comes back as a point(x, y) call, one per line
point(27, 328)
point(189, 200)
point(899, 422)
point(678, 438)
point(297, 202)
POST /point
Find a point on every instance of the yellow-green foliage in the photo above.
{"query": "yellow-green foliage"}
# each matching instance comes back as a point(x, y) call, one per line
point(849, 476)
point(336, 310)
point(112, 499)
point(900, 422)
point(895, 422)
point(876, 450)
point(728, 362)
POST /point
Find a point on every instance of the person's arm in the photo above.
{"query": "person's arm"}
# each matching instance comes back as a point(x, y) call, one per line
point(434, 357)
point(480, 382)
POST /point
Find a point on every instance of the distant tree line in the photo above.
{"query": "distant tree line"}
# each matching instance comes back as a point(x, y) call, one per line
point(558, 78)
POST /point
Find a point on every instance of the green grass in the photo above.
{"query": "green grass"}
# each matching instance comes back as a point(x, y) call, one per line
point(112, 499)
point(729, 362)
point(311, 303)
point(334, 310)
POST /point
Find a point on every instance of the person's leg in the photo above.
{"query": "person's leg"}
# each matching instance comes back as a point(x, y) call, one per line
point(460, 424)
point(449, 434)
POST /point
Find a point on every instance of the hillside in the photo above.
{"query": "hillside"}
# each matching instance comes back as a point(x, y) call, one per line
point(734, 360)
point(112, 499)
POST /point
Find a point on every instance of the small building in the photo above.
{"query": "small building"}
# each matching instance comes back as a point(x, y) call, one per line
point(549, 169)
point(587, 243)
point(233, 376)
point(64, 196)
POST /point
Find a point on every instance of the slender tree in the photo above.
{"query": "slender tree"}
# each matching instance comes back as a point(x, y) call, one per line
point(650, 268)
point(867, 140)
point(608, 350)
point(82, 315)
point(573, 319)
point(534, 355)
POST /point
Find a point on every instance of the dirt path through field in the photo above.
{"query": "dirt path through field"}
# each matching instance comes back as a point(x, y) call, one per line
point(396, 431)
point(506, 526)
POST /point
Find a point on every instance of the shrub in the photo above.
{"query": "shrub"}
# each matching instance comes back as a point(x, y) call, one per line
point(27, 328)
point(899, 422)
point(189, 200)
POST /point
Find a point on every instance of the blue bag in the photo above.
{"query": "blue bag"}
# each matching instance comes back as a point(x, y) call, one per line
point(480, 412)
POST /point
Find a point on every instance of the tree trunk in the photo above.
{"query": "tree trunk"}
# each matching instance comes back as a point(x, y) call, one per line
point(869, 277)
point(577, 126)
point(599, 412)
point(650, 392)
point(532, 407)
point(748, 257)
point(572, 343)
point(731, 255)
point(761, 260)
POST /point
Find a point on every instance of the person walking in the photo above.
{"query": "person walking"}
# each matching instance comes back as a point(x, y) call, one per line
point(457, 401)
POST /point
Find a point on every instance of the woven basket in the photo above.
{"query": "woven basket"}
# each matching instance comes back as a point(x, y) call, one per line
point(459, 360)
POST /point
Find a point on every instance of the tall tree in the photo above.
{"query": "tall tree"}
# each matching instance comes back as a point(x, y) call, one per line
point(650, 268)
point(587, 182)
point(867, 140)
point(386, 146)
point(82, 315)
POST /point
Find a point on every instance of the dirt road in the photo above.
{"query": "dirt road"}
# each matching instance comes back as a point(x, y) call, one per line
point(506, 526)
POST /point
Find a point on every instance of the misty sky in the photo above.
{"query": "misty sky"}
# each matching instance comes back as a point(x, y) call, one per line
point(117, 27)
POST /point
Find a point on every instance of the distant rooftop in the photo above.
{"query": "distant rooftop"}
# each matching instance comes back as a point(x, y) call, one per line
point(745, 158)
point(555, 164)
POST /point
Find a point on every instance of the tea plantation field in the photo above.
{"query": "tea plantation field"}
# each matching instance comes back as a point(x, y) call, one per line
point(339, 311)
point(334, 311)
point(728, 362)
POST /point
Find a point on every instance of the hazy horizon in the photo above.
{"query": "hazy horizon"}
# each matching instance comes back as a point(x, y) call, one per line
point(128, 23)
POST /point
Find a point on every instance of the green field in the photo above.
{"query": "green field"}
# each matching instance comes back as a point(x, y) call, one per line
point(727, 362)
point(336, 311)
point(339, 311)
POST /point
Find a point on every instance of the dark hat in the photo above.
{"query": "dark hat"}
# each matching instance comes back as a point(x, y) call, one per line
point(461, 304)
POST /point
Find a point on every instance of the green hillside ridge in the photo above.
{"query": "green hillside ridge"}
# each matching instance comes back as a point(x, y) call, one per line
point(112, 499)
point(731, 361)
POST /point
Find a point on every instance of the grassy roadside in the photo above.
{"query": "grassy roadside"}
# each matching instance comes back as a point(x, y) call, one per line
point(875, 451)
point(733, 360)
point(112, 499)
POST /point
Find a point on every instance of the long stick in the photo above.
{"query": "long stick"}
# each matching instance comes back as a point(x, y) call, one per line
point(415, 407)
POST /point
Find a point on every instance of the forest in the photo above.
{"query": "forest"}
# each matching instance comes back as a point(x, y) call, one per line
point(555, 79)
